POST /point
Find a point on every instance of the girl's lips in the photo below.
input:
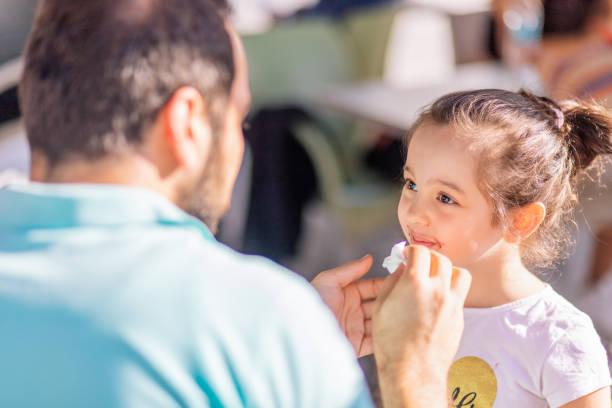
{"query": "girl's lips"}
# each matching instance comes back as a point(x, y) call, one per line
point(424, 241)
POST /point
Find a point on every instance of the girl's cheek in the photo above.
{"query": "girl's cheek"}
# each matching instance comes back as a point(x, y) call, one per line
point(401, 209)
point(445, 215)
point(399, 212)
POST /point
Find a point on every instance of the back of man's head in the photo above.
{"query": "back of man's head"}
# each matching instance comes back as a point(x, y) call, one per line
point(97, 72)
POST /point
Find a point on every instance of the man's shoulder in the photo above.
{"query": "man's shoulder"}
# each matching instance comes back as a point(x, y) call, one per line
point(211, 270)
point(238, 319)
point(251, 303)
point(212, 261)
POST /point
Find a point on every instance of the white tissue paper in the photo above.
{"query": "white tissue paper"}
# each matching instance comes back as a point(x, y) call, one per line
point(393, 261)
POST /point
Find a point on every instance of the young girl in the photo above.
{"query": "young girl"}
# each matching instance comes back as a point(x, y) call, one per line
point(490, 182)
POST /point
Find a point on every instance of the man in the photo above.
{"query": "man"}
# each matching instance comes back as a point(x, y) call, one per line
point(112, 296)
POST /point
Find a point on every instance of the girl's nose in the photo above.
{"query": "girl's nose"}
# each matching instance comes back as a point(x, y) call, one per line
point(417, 213)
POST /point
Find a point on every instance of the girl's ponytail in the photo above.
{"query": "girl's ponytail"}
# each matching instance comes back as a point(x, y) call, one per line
point(587, 129)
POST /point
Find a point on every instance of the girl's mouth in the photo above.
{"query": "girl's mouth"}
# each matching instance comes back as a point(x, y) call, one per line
point(425, 241)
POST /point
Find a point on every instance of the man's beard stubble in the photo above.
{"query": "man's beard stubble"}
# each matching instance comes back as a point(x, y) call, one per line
point(202, 200)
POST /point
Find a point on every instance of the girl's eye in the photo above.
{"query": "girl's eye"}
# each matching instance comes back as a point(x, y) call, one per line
point(411, 185)
point(446, 199)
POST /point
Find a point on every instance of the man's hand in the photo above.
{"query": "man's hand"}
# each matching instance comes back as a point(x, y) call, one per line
point(351, 301)
point(418, 321)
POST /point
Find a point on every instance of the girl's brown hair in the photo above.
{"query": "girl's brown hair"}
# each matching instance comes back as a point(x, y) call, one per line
point(530, 149)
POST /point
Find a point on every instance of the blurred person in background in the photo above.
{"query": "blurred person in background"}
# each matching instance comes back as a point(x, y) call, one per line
point(578, 63)
point(113, 290)
point(567, 41)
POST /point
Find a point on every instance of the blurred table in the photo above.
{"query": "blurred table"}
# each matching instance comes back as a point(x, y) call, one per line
point(397, 108)
point(454, 8)
point(470, 22)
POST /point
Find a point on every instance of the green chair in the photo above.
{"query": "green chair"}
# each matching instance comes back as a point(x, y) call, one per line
point(287, 66)
point(363, 205)
point(292, 61)
point(369, 30)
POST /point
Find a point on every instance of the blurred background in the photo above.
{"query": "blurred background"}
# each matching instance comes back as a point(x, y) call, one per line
point(336, 84)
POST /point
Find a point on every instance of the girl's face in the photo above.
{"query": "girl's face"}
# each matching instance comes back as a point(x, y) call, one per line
point(441, 205)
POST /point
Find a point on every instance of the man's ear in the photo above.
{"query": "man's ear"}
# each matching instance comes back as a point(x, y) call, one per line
point(186, 127)
point(525, 221)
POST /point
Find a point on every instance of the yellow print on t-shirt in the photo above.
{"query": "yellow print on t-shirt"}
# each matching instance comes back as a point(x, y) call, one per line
point(472, 383)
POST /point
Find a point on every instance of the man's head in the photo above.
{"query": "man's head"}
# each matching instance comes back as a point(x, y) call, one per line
point(155, 87)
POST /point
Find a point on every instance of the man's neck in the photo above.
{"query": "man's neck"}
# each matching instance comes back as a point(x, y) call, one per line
point(132, 170)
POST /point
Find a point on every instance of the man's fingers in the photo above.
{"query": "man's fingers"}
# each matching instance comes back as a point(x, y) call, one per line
point(441, 267)
point(389, 284)
point(418, 259)
point(368, 328)
point(368, 309)
point(369, 288)
point(461, 282)
point(350, 272)
point(367, 347)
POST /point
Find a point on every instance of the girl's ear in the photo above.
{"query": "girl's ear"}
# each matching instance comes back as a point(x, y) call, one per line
point(524, 221)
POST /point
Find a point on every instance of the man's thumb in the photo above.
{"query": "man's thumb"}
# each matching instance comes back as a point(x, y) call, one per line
point(350, 272)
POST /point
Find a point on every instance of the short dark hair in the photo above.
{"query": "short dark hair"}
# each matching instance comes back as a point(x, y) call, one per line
point(97, 72)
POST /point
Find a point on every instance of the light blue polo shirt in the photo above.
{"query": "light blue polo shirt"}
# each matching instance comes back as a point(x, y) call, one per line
point(113, 297)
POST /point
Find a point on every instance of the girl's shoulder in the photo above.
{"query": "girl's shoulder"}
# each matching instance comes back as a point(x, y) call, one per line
point(558, 312)
point(549, 315)
point(538, 321)
point(543, 343)
point(554, 333)
point(574, 362)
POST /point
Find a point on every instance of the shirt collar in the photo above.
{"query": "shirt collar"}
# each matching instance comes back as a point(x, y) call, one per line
point(46, 205)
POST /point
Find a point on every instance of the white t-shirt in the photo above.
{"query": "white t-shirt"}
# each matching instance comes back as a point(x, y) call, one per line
point(539, 351)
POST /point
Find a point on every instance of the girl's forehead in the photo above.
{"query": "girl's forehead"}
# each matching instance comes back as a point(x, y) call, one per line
point(440, 141)
point(436, 152)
